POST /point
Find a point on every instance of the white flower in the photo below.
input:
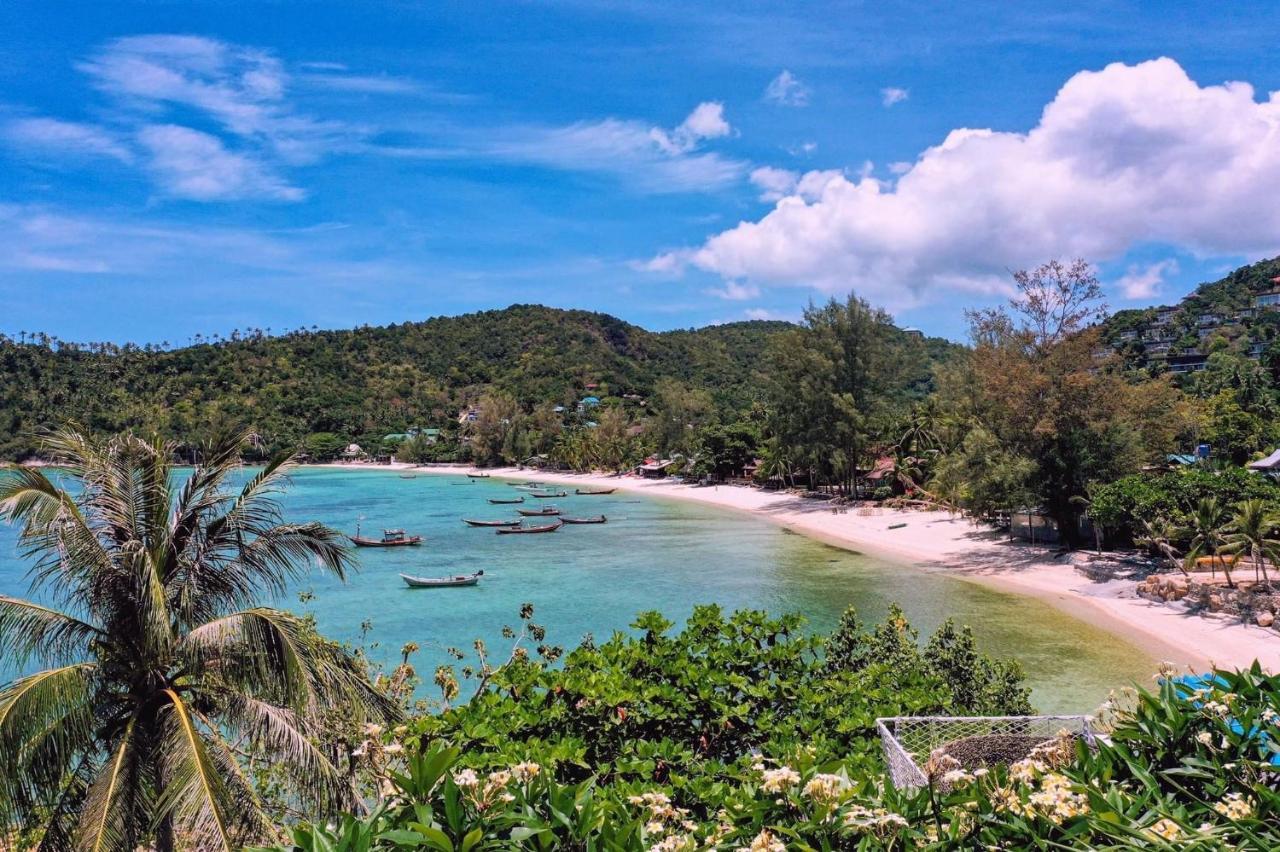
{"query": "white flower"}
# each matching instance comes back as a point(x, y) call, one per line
point(392, 748)
point(825, 789)
point(1235, 806)
point(372, 730)
point(956, 777)
point(1205, 738)
point(777, 780)
point(525, 771)
point(466, 779)
point(766, 842)
point(1165, 829)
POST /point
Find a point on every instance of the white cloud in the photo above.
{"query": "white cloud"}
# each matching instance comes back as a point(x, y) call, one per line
point(1143, 282)
point(1123, 156)
point(652, 159)
point(761, 314)
point(190, 164)
point(241, 88)
point(56, 136)
point(735, 291)
point(705, 122)
point(774, 183)
point(787, 90)
point(891, 95)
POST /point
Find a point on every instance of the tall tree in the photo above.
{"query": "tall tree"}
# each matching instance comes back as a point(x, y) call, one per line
point(833, 382)
point(161, 668)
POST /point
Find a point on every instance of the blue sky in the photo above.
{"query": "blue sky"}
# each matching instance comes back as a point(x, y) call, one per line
point(173, 168)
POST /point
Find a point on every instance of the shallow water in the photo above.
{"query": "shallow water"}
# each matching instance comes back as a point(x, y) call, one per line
point(653, 554)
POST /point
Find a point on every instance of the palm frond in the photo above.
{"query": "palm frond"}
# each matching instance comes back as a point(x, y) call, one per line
point(275, 656)
point(197, 796)
point(46, 725)
point(109, 819)
point(28, 629)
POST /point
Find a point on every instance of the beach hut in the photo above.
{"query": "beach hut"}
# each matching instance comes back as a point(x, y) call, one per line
point(1270, 465)
point(353, 452)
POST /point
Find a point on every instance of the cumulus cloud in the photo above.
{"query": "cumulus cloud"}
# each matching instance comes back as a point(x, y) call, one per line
point(891, 95)
point(735, 291)
point(195, 165)
point(1143, 282)
point(652, 159)
point(774, 183)
point(787, 90)
point(1128, 155)
point(52, 135)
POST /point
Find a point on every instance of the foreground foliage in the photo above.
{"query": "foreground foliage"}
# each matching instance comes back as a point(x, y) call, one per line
point(1183, 770)
point(165, 682)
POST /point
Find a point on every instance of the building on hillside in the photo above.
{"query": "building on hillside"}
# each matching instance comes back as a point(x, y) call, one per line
point(913, 332)
point(1190, 361)
point(1164, 316)
point(591, 385)
point(353, 452)
point(1269, 300)
point(468, 415)
point(588, 402)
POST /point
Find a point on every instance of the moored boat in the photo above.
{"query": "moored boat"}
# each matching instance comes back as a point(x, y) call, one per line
point(475, 523)
point(408, 476)
point(598, 519)
point(537, 513)
point(549, 495)
point(390, 538)
point(543, 529)
point(477, 476)
point(499, 502)
point(441, 582)
point(593, 493)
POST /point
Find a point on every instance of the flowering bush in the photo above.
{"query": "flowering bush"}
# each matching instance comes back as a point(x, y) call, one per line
point(543, 760)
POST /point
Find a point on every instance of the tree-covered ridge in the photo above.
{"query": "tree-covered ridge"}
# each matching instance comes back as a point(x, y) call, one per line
point(361, 381)
point(1218, 316)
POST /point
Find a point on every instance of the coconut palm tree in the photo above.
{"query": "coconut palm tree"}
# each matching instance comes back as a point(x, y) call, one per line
point(1159, 534)
point(1250, 531)
point(162, 678)
point(1206, 527)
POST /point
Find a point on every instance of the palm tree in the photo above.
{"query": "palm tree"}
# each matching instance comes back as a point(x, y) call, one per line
point(1206, 529)
point(163, 679)
point(1250, 532)
point(1158, 534)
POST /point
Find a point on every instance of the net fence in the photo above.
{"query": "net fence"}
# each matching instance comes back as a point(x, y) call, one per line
point(908, 741)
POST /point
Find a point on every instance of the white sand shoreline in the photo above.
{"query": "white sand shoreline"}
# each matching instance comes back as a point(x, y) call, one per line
point(937, 541)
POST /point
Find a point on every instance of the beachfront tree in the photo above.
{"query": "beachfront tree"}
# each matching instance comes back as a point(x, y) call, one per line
point(163, 677)
point(1252, 531)
point(1206, 527)
point(834, 383)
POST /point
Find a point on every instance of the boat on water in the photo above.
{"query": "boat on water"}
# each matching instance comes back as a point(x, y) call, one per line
point(390, 538)
point(526, 484)
point(538, 513)
point(593, 493)
point(500, 502)
point(598, 519)
point(549, 495)
point(477, 476)
point(527, 487)
point(441, 582)
point(474, 523)
point(530, 530)
point(408, 476)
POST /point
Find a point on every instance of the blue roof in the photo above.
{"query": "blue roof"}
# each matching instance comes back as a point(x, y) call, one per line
point(591, 400)
point(1180, 458)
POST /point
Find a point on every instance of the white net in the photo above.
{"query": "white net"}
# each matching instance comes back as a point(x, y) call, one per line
point(909, 740)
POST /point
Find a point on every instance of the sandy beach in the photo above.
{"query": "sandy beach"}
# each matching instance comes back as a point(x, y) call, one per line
point(938, 541)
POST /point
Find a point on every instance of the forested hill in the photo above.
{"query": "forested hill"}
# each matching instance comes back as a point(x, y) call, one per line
point(367, 380)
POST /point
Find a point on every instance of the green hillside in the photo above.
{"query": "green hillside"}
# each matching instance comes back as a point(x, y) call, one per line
point(367, 380)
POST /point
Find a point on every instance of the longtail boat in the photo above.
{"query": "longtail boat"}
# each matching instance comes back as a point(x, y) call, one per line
point(516, 530)
point(595, 493)
point(474, 523)
point(499, 502)
point(441, 582)
point(538, 513)
point(477, 476)
point(390, 538)
point(549, 495)
point(599, 519)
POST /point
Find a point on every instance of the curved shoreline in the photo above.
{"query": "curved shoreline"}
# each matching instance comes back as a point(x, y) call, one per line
point(961, 549)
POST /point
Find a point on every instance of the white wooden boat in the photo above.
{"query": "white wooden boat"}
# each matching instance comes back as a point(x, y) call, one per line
point(441, 582)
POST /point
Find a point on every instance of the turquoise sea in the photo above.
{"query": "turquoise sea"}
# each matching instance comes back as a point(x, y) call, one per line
point(653, 554)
